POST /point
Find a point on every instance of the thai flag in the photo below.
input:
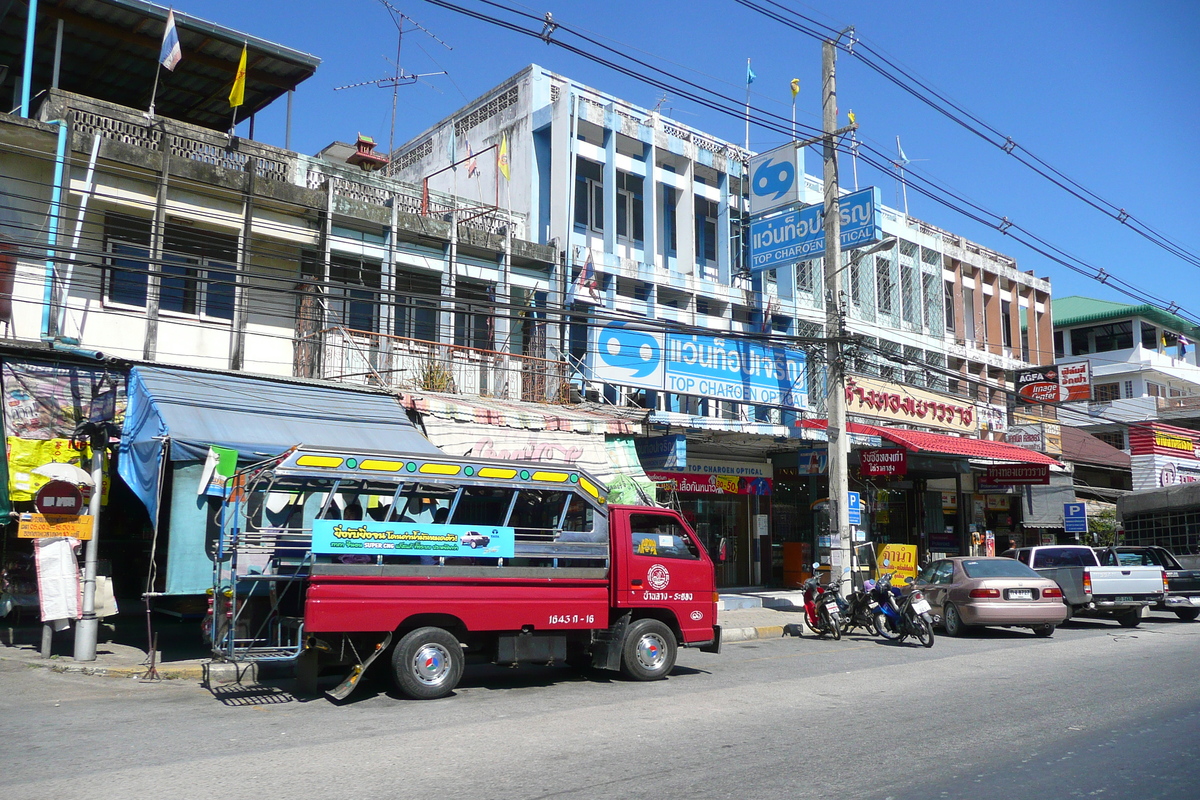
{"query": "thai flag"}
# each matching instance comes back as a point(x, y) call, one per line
point(171, 53)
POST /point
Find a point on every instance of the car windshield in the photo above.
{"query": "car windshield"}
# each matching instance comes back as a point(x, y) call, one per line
point(997, 568)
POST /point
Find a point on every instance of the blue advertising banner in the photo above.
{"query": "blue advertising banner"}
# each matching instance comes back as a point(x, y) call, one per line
point(367, 537)
point(723, 368)
point(800, 235)
point(662, 452)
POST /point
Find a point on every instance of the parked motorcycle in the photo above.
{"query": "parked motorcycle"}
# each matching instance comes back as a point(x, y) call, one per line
point(821, 610)
point(901, 615)
point(859, 609)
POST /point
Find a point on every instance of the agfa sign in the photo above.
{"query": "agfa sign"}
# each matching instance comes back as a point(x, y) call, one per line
point(1057, 383)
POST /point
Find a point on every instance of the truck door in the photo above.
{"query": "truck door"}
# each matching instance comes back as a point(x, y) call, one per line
point(660, 564)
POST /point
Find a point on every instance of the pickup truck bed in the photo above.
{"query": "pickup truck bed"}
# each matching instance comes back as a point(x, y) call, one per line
point(1183, 582)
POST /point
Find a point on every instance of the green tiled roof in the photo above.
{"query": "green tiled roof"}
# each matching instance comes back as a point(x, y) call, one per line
point(1068, 312)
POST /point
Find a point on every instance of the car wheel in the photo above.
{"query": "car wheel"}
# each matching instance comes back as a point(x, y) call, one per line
point(649, 652)
point(1044, 631)
point(427, 663)
point(1131, 618)
point(1187, 614)
point(952, 621)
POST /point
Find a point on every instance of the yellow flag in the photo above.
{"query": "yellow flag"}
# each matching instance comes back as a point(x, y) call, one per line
point(795, 87)
point(237, 94)
point(502, 159)
point(853, 119)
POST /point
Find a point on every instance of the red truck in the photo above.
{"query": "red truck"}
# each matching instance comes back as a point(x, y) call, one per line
point(341, 558)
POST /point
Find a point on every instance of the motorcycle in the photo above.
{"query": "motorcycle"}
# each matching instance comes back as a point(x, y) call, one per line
point(859, 609)
point(901, 615)
point(821, 610)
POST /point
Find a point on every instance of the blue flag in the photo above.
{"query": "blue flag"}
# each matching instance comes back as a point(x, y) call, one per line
point(750, 76)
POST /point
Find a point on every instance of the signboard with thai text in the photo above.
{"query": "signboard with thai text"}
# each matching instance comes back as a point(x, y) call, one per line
point(43, 526)
point(800, 235)
point(1016, 475)
point(870, 397)
point(686, 483)
point(883, 461)
point(369, 538)
point(1056, 383)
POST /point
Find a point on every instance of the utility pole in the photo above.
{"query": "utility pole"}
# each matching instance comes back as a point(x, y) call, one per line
point(835, 383)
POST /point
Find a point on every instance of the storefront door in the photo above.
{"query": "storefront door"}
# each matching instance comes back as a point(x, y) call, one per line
point(729, 517)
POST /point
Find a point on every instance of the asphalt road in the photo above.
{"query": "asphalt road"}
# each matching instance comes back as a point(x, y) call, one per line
point(1096, 711)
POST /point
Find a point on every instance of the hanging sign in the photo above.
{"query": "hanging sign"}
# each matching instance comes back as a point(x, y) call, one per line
point(884, 461)
point(1016, 475)
point(48, 526)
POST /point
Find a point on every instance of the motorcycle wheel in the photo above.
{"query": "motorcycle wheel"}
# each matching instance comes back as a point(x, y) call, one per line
point(885, 628)
point(830, 625)
point(923, 631)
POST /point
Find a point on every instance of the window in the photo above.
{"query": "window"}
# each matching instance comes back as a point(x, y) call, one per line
point(883, 284)
point(1149, 336)
point(706, 230)
point(354, 293)
point(1106, 392)
point(669, 203)
point(1129, 388)
point(1114, 438)
point(948, 303)
point(630, 208)
point(1058, 345)
point(661, 536)
point(473, 315)
point(537, 513)
point(416, 305)
point(198, 270)
point(1155, 389)
point(968, 295)
point(909, 298)
point(1006, 323)
point(805, 270)
point(589, 195)
point(1102, 338)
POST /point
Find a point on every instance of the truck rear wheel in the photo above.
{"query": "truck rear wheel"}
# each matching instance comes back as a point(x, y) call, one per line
point(1131, 618)
point(1187, 614)
point(427, 663)
point(649, 652)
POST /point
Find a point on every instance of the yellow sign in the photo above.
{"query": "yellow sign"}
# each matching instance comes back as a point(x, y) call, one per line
point(41, 526)
point(898, 558)
point(892, 401)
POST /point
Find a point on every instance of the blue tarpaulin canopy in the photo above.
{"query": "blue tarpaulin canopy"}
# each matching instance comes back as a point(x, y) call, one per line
point(190, 410)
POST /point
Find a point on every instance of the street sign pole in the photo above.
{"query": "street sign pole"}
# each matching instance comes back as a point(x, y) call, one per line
point(88, 628)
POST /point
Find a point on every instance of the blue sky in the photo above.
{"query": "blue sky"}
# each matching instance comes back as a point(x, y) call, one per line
point(1104, 92)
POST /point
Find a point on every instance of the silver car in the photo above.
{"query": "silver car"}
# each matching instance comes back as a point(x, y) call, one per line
point(968, 592)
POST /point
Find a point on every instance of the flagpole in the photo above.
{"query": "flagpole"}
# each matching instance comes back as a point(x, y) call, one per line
point(154, 91)
point(747, 105)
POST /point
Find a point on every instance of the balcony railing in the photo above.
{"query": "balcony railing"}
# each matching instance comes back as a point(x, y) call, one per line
point(404, 364)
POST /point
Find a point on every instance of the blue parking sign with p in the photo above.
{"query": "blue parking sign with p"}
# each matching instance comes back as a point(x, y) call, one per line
point(854, 506)
point(1075, 518)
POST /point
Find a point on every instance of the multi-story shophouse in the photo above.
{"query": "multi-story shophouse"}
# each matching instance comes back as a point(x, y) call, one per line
point(1145, 384)
point(647, 215)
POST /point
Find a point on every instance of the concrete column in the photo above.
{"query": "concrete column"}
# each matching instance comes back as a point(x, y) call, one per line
point(610, 184)
point(685, 222)
point(725, 232)
point(650, 202)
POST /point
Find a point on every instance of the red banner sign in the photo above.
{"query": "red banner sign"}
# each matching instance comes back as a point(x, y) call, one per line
point(1057, 383)
point(1016, 475)
point(688, 483)
point(883, 461)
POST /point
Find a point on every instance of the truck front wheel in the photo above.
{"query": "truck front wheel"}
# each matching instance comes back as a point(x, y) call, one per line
point(1187, 614)
point(427, 663)
point(649, 652)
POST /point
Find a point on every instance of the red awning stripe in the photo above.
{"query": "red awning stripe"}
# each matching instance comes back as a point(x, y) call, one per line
point(921, 442)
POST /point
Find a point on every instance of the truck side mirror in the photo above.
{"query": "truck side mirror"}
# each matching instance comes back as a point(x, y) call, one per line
point(722, 549)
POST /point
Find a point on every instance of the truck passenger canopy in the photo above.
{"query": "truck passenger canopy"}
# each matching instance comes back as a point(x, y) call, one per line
point(191, 410)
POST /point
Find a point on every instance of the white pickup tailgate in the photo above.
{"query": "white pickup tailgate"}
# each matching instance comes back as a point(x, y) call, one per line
point(1108, 581)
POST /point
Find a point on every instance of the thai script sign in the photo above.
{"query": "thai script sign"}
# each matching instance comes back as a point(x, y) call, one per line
point(1016, 475)
point(884, 461)
point(662, 452)
point(874, 398)
point(1163, 439)
point(800, 235)
point(42, 526)
point(711, 484)
point(721, 368)
point(369, 538)
point(900, 559)
point(1057, 383)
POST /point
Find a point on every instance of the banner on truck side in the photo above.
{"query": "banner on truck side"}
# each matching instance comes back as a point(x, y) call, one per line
point(337, 537)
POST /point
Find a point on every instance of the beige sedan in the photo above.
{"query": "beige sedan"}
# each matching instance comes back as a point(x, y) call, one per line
point(968, 592)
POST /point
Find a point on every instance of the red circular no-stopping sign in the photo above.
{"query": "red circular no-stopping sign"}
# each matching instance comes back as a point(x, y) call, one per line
point(59, 497)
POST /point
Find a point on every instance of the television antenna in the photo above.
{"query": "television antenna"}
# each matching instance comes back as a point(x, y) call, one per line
point(900, 163)
point(399, 77)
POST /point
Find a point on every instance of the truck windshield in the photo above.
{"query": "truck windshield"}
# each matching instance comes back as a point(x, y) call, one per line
point(1051, 557)
point(1139, 558)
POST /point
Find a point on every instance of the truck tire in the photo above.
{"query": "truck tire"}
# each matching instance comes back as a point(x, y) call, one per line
point(649, 652)
point(1187, 614)
point(1131, 618)
point(427, 663)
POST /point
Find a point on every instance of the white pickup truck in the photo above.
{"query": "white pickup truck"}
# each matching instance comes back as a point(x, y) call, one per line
point(1094, 590)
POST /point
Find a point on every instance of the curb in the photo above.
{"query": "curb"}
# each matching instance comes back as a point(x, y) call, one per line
point(750, 634)
point(165, 672)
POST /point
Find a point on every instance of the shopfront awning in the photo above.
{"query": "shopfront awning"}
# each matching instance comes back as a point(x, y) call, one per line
point(184, 412)
point(963, 446)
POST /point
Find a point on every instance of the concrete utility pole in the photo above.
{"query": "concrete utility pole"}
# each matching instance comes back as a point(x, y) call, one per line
point(835, 384)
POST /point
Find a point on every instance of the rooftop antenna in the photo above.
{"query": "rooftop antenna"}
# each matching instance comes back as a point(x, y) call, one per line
point(900, 163)
point(399, 77)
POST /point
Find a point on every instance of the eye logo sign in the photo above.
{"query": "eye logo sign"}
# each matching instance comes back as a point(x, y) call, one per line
point(623, 348)
point(774, 176)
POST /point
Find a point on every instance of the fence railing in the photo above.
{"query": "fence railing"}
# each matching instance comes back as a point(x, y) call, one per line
point(401, 363)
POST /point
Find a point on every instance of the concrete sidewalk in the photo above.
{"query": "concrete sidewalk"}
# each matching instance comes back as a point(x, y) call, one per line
point(182, 655)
